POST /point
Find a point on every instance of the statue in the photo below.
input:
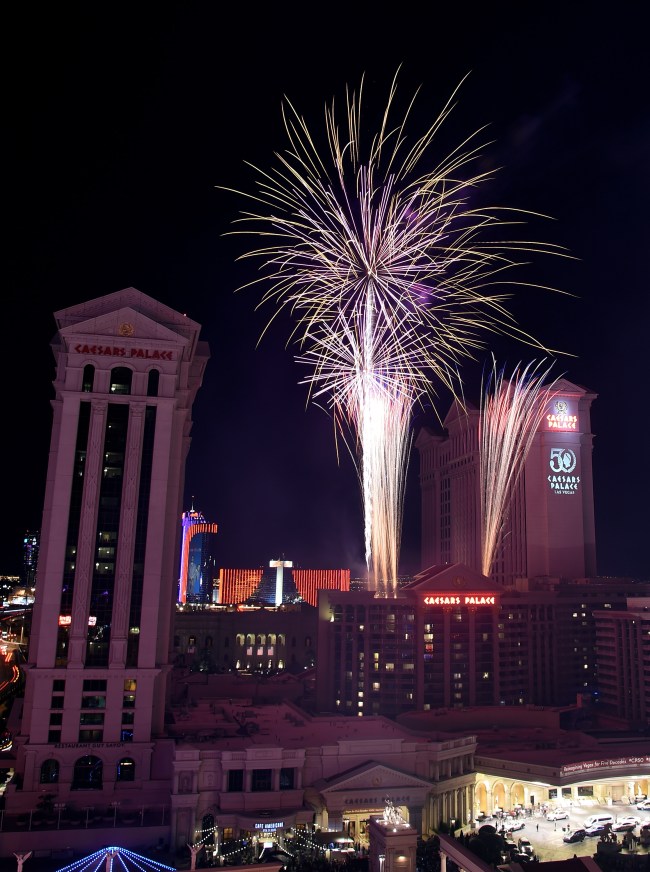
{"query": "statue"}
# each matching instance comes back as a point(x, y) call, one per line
point(21, 858)
point(392, 815)
point(194, 850)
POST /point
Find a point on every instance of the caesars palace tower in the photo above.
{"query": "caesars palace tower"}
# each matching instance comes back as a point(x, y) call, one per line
point(127, 372)
point(549, 524)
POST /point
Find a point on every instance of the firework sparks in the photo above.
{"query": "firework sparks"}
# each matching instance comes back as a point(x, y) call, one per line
point(511, 411)
point(391, 276)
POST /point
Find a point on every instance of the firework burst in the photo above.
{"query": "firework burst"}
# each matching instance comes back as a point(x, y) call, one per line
point(391, 277)
point(511, 411)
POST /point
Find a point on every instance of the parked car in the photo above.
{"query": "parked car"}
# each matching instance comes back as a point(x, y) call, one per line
point(525, 847)
point(644, 805)
point(596, 829)
point(521, 857)
point(575, 836)
point(513, 826)
point(558, 815)
point(626, 824)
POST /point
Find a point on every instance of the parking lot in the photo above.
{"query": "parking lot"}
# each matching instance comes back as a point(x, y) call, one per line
point(546, 836)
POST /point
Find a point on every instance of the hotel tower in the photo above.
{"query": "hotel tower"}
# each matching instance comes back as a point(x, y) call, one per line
point(549, 523)
point(127, 372)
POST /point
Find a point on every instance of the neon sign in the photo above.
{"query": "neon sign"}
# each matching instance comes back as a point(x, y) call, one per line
point(454, 599)
point(560, 419)
point(562, 462)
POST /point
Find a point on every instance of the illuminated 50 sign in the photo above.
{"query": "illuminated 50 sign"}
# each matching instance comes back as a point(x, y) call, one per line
point(453, 599)
point(562, 462)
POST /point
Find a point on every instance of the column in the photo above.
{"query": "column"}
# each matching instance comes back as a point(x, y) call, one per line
point(128, 519)
point(87, 535)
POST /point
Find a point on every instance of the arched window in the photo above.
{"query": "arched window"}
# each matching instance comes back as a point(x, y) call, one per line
point(207, 824)
point(250, 639)
point(208, 642)
point(121, 380)
point(261, 639)
point(50, 772)
point(240, 638)
point(88, 773)
point(271, 638)
point(88, 379)
point(152, 383)
point(125, 769)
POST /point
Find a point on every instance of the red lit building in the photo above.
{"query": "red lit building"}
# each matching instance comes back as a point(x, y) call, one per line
point(240, 585)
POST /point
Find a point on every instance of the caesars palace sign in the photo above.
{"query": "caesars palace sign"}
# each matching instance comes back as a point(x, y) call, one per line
point(121, 351)
point(463, 599)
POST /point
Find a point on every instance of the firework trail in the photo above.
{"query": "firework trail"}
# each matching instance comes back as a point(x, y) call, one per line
point(391, 277)
point(511, 411)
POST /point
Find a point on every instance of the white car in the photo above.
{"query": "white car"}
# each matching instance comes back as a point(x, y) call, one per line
point(624, 825)
point(644, 806)
point(513, 826)
point(557, 815)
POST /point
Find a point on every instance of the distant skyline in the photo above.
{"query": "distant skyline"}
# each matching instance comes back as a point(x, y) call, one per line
point(122, 126)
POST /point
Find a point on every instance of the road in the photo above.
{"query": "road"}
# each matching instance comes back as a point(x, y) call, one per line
point(546, 837)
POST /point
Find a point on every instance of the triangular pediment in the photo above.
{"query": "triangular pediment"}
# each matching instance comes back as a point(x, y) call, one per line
point(460, 415)
point(450, 577)
point(372, 776)
point(146, 309)
point(123, 323)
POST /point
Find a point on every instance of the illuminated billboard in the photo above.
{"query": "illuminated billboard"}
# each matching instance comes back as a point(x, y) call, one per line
point(562, 416)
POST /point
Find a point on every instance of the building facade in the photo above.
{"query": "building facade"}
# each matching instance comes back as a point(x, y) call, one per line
point(549, 528)
point(196, 577)
point(453, 638)
point(623, 654)
point(127, 372)
point(280, 583)
point(31, 543)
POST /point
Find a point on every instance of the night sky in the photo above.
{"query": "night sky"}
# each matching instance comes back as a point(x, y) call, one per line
point(123, 123)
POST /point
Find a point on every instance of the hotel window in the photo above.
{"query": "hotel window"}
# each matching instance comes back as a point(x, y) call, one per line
point(153, 380)
point(128, 717)
point(235, 780)
point(56, 720)
point(94, 684)
point(88, 774)
point(287, 779)
point(88, 378)
point(90, 736)
point(93, 702)
point(125, 770)
point(91, 718)
point(128, 700)
point(261, 780)
point(121, 380)
point(57, 702)
point(50, 772)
